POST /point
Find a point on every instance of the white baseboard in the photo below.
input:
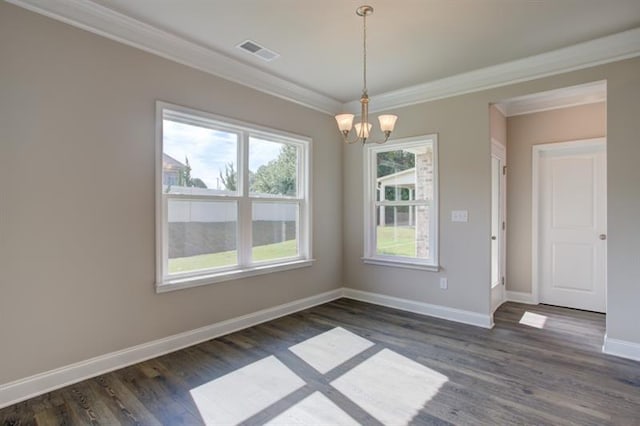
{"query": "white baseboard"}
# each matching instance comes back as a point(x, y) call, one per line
point(20, 390)
point(520, 297)
point(621, 348)
point(438, 311)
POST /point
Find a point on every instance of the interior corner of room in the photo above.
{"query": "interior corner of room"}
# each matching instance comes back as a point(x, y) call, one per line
point(531, 190)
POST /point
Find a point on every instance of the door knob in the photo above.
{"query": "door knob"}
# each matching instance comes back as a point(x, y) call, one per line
point(603, 236)
point(493, 237)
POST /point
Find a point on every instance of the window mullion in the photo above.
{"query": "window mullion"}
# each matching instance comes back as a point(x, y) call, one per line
point(165, 236)
point(245, 206)
point(403, 203)
point(407, 222)
point(196, 240)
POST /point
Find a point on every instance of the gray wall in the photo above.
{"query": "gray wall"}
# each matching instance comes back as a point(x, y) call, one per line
point(498, 125)
point(77, 120)
point(524, 131)
point(77, 247)
point(462, 123)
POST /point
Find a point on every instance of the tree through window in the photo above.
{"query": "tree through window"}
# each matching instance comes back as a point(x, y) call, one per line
point(232, 197)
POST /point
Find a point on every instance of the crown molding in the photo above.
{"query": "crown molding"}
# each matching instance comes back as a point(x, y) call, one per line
point(108, 23)
point(500, 108)
point(98, 19)
point(599, 51)
point(583, 94)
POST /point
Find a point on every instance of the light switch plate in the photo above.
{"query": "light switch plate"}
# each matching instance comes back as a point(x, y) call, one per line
point(459, 216)
point(444, 284)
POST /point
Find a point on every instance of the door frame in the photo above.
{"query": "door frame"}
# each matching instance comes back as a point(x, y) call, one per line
point(537, 151)
point(499, 151)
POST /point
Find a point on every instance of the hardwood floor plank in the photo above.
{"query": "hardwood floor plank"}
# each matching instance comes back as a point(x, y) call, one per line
point(513, 374)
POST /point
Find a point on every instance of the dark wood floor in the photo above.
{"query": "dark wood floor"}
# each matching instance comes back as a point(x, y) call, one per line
point(512, 374)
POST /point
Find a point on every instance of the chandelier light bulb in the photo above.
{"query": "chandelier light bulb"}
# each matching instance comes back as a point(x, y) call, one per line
point(345, 121)
point(363, 132)
point(387, 122)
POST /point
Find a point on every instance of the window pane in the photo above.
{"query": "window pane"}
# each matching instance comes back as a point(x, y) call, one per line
point(403, 231)
point(273, 168)
point(274, 231)
point(202, 235)
point(405, 174)
point(198, 160)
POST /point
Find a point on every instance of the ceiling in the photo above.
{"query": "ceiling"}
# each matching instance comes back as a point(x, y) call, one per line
point(412, 43)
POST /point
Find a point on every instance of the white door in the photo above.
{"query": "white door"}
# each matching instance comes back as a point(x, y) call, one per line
point(498, 229)
point(572, 224)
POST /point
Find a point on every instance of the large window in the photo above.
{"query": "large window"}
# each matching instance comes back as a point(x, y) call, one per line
point(232, 199)
point(401, 212)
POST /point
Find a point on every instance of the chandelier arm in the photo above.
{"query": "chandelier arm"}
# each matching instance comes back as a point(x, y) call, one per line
point(345, 121)
point(382, 141)
point(345, 136)
point(386, 138)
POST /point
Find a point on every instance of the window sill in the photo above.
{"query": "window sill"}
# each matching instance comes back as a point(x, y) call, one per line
point(182, 283)
point(401, 264)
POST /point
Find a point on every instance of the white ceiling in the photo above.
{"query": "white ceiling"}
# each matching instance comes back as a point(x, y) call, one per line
point(410, 41)
point(419, 50)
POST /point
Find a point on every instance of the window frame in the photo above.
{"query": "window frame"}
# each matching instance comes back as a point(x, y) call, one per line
point(370, 255)
point(243, 200)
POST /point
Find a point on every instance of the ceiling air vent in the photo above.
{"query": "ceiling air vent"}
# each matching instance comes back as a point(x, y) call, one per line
point(256, 50)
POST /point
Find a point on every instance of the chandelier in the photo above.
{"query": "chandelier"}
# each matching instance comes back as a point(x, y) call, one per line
point(363, 127)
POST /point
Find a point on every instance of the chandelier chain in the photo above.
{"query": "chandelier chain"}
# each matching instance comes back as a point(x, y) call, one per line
point(363, 127)
point(364, 52)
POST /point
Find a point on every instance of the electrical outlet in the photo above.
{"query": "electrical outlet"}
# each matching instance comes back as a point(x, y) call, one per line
point(443, 283)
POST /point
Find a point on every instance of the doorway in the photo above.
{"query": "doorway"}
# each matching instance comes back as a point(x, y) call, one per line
point(569, 224)
point(498, 223)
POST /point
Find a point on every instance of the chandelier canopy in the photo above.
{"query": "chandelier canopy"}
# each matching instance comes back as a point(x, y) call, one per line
point(363, 127)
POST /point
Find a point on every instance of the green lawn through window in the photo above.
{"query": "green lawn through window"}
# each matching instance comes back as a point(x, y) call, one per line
point(396, 240)
point(227, 258)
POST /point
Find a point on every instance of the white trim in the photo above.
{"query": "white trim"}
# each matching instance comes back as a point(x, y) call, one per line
point(243, 200)
point(582, 94)
point(520, 297)
point(20, 390)
point(38, 384)
point(536, 152)
point(108, 23)
point(235, 274)
point(499, 151)
point(437, 311)
point(600, 51)
point(500, 108)
point(370, 177)
point(621, 348)
point(396, 263)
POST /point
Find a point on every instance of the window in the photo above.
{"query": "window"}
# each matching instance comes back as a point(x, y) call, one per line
point(401, 212)
point(232, 199)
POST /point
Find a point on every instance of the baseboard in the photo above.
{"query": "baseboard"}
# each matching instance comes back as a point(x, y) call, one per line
point(520, 297)
point(20, 390)
point(438, 311)
point(621, 348)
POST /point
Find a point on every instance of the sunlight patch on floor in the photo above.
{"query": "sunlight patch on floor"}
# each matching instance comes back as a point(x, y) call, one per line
point(328, 350)
point(316, 409)
point(245, 392)
point(533, 320)
point(390, 387)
